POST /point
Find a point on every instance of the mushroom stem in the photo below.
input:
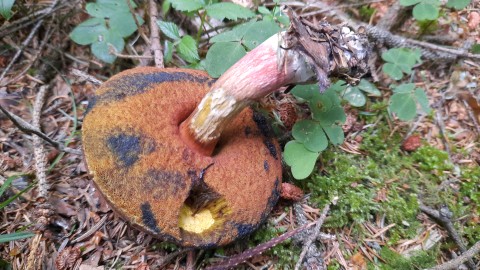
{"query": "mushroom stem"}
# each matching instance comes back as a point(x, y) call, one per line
point(262, 71)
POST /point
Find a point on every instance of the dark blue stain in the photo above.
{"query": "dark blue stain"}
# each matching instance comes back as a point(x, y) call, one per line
point(91, 103)
point(266, 166)
point(126, 148)
point(248, 131)
point(271, 147)
point(148, 217)
point(244, 229)
point(272, 200)
point(135, 84)
point(262, 124)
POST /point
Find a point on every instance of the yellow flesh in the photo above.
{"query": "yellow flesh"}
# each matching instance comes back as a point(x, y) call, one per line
point(196, 223)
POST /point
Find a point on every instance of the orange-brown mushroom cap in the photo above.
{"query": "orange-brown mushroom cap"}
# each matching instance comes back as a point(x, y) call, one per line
point(143, 168)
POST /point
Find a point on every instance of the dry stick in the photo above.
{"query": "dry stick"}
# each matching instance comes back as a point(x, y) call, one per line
point(315, 233)
point(455, 263)
point(441, 127)
point(20, 50)
point(155, 35)
point(38, 148)
point(29, 129)
point(443, 218)
point(33, 252)
point(86, 77)
point(322, 10)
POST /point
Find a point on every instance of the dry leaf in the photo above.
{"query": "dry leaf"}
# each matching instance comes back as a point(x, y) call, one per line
point(473, 20)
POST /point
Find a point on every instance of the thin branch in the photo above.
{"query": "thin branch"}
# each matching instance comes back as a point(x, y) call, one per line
point(315, 233)
point(30, 130)
point(140, 29)
point(444, 218)
point(38, 148)
point(86, 77)
point(155, 35)
point(455, 263)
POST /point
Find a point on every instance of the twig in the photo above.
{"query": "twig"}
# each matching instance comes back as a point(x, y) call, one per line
point(314, 234)
point(38, 148)
point(323, 10)
point(29, 129)
point(86, 77)
point(155, 35)
point(113, 51)
point(190, 260)
point(472, 116)
point(91, 230)
point(242, 257)
point(443, 217)
point(140, 29)
point(20, 50)
point(441, 126)
point(455, 263)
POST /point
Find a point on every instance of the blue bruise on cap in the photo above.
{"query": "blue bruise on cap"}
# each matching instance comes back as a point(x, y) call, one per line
point(267, 132)
point(126, 148)
point(139, 83)
point(244, 229)
point(148, 217)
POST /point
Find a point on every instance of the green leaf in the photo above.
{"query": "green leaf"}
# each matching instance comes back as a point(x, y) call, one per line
point(187, 5)
point(230, 11)
point(11, 199)
point(6, 184)
point(354, 96)
point(263, 10)
point(476, 49)
point(399, 61)
point(407, 3)
point(101, 49)
point(306, 92)
point(221, 56)
point(259, 32)
point(169, 29)
point(338, 86)
point(335, 134)
point(167, 51)
point(236, 34)
point(403, 105)
point(311, 134)
point(336, 115)
point(369, 88)
point(299, 159)
point(122, 24)
point(187, 49)
point(6, 8)
point(405, 88)
point(166, 5)
point(4, 238)
point(425, 11)
point(108, 8)
point(89, 31)
point(422, 99)
point(458, 4)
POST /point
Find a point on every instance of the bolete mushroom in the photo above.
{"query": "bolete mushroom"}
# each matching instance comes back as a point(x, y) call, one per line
point(183, 156)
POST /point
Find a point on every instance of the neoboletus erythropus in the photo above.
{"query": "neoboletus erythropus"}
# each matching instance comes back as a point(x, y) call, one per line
point(183, 156)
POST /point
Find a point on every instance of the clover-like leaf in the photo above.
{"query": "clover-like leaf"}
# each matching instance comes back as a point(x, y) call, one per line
point(6, 8)
point(187, 5)
point(123, 24)
point(311, 134)
point(89, 31)
point(231, 11)
point(108, 8)
point(336, 115)
point(301, 160)
point(404, 88)
point(259, 32)
point(369, 88)
point(399, 61)
point(187, 49)
point(169, 29)
point(306, 92)
point(335, 134)
point(403, 105)
point(221, 56)
point(424, 11)
point(458, 4)
point(422, 99)
point(354, 96)
point(236, 34)
point(101, 48)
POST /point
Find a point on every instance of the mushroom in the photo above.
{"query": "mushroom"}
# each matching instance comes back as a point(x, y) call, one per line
point(183, 156)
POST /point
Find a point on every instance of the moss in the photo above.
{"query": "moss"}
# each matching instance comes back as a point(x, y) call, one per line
point(286, 253)
point(395, 261)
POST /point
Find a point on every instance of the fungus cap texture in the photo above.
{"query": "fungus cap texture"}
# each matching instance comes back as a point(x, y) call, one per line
point(148, 175)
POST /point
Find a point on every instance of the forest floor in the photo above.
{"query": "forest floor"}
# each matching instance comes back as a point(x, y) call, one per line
point(388, 191)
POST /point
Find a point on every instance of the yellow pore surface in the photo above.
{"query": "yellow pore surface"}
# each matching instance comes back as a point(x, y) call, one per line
point(195, 222)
